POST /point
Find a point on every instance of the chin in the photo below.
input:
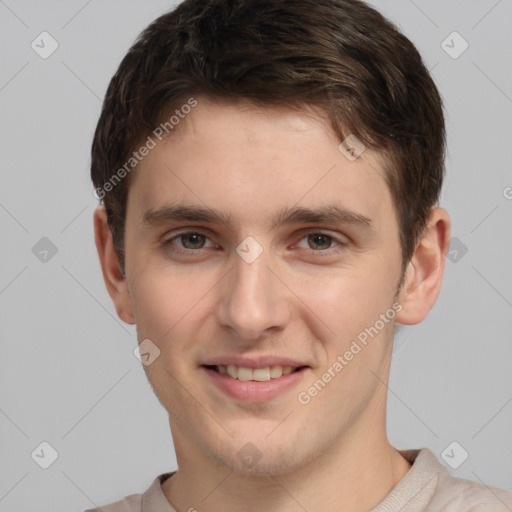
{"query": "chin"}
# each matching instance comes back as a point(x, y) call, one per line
point(261, 458)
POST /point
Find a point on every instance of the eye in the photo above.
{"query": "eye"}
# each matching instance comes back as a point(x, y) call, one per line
point(188, 241)
point(321, 242)
point(193, 241)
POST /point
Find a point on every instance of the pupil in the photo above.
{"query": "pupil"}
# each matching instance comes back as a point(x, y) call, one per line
point(194, 238)
point(316, 238)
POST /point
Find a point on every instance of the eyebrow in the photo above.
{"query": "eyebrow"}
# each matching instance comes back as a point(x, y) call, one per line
point(331, 214)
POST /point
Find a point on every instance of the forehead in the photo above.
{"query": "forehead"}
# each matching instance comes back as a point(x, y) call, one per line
point(253, 162)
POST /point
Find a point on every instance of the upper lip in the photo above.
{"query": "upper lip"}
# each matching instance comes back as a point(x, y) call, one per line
point(253, 362)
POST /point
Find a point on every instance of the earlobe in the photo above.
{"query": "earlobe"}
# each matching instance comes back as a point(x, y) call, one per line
point(424, 273)
point(115, 280)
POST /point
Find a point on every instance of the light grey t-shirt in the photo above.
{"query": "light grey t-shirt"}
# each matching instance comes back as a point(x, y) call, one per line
point(427, 487)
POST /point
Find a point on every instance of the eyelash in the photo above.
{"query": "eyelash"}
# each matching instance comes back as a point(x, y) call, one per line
point(320, 252)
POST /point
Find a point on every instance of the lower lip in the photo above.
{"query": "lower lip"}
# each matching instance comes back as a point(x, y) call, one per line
point(252, 390)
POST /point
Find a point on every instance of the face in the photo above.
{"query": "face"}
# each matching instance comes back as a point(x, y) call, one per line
point(252, 240)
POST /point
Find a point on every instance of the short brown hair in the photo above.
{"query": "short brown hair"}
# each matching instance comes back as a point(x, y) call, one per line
point(340, 56)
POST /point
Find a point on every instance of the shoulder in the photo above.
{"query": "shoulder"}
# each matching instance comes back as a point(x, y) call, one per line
point(453, 494)
point(152, 500)
point(132, 503)
point(471, 496)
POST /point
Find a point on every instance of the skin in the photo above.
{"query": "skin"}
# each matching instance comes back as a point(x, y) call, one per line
point(249, 163)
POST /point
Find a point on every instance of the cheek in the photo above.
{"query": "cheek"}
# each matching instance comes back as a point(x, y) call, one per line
point(171, 310)
point(158, 303)
point(163, 291)
point(346, 301)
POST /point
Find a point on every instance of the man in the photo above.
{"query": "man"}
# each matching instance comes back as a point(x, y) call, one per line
point(270, 173)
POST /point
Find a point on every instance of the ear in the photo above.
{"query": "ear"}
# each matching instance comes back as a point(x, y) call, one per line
point(115, 280)
point(424, 273)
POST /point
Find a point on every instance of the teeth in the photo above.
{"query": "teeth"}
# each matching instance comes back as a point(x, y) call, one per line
point(259, 374)
point(243, 373)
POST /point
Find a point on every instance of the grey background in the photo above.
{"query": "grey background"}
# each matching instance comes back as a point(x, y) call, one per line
point(67, 372)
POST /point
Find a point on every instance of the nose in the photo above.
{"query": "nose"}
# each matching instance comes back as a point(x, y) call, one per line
point(253, 300)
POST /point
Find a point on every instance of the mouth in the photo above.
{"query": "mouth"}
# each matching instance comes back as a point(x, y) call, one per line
point(253, 384)
point(255, 374)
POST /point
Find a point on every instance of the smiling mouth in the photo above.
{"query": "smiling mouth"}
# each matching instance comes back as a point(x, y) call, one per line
point(255, 374)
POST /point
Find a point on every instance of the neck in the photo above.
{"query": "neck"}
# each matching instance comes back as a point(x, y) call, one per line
point(358, 472)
